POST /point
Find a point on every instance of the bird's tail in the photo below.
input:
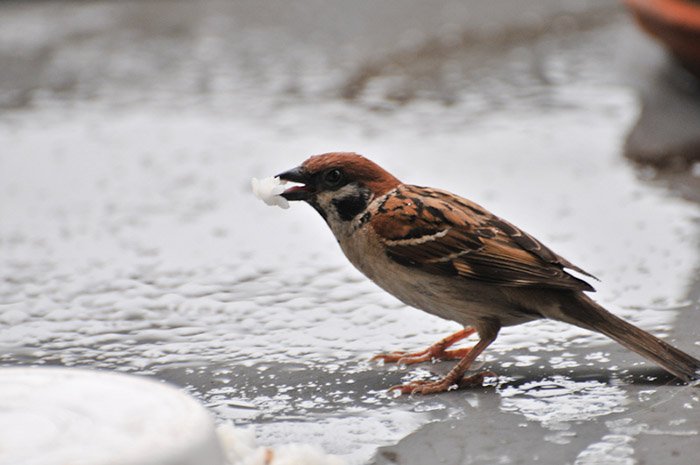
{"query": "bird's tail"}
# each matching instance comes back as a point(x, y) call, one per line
point(585, 313)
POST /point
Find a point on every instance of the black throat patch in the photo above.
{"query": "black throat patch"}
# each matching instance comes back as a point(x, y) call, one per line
point(350, 206)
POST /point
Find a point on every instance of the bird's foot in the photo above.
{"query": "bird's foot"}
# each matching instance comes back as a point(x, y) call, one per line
point(429, 387)
point(437, 351)
point(433, 352)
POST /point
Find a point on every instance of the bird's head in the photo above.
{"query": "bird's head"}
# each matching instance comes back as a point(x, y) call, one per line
point(338, 185)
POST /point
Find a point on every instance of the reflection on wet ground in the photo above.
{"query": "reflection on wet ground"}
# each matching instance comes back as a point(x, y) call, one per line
point(129, 239)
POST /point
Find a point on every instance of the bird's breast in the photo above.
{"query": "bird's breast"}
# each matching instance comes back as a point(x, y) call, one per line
point(412, 287)
point(458, 299)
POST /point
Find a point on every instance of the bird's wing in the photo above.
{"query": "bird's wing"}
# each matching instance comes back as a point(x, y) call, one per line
point(442, 233)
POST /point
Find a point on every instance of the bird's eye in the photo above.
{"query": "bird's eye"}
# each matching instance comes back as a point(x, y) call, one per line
point(333, 177)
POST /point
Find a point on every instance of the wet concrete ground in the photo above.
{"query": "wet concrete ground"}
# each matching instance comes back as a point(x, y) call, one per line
point(130, 241)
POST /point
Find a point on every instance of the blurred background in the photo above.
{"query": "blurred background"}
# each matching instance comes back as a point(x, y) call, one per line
point(130, 241)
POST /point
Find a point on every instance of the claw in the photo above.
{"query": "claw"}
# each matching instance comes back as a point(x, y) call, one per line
point(488, 333)
point(475, 380)
point(437, 351)
point(421, 386)
point(395, 356)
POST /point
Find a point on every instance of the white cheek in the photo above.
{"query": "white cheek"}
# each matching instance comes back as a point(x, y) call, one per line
point(324, 200)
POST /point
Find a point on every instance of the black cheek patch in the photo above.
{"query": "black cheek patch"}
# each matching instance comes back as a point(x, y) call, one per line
point(351, 206)
point(318, 208)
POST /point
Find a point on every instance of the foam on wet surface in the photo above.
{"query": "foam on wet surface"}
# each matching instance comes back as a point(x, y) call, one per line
point(163, 264)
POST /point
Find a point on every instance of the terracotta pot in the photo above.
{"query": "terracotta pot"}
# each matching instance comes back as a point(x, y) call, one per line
point(676, 23)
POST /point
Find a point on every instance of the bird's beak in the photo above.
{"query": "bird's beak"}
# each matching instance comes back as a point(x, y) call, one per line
point(300, 175)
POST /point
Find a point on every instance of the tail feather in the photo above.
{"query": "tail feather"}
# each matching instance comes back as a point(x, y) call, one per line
point(585, 313)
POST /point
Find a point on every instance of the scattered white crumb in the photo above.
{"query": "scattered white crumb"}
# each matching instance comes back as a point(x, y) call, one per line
point(302, 454)
point(240, 449)
point(237, 443)
point(269, 189)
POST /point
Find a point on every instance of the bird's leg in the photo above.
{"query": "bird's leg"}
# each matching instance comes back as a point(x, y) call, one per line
point(456, 376)
point(435, 351)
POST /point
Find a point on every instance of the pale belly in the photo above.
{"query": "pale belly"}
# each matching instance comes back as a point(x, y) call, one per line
point(457, 299)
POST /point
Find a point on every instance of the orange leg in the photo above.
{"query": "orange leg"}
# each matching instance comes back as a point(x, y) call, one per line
point(435, 351)
point(456, 375)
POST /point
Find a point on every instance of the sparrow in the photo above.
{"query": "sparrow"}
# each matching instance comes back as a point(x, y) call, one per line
point(450, 257)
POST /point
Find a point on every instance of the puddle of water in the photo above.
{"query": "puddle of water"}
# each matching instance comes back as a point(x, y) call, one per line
point(555, 403)
point(618, 446)
point(141, 254)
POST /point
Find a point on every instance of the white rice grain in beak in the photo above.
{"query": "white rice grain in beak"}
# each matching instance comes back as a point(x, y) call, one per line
point(269, 189)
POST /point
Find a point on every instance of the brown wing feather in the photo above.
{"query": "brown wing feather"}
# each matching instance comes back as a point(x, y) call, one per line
point(443, 233)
